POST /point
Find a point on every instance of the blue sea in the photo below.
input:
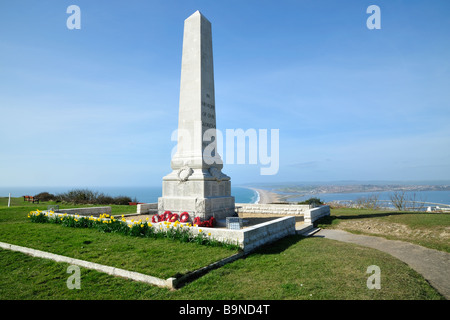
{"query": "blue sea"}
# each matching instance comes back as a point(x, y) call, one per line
point(142, 194)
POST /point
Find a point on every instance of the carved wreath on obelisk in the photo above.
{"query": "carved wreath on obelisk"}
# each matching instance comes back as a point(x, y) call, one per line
point(217, 174)
point(184, 173)
point(200, 206)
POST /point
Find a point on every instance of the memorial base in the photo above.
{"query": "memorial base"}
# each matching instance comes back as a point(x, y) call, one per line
point(204, 198)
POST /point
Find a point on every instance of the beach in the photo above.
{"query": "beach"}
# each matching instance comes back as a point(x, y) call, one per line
point(265, 196)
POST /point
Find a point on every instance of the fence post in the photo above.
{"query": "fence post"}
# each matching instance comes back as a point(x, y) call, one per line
point(9, 200)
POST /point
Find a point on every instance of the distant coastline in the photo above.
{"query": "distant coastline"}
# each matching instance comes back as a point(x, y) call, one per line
point(266, 196)
point(258, 196)
point(290, 192)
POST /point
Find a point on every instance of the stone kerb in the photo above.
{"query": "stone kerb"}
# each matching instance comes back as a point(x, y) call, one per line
point(91, 265)
point(250, 238)
point(290, 209)
point(316, 213)
point(86, 211)
point(268, 232)
point(144, 208)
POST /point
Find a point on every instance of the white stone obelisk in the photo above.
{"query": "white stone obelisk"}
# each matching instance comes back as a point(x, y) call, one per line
point(197, 185)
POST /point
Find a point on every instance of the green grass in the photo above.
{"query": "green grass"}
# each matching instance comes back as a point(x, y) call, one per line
point(292, 268)
point(426, 229)
point(18, 202)
point(312, 268)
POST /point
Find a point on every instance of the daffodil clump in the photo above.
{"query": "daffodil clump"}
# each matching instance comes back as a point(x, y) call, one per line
point(140, 228)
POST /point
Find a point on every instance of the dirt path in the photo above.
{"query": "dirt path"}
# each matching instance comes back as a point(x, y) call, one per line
point(395, 229)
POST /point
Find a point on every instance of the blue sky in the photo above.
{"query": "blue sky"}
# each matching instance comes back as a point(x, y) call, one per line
point(97, 106)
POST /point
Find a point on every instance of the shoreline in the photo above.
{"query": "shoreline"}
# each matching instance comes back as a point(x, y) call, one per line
point(265, 196)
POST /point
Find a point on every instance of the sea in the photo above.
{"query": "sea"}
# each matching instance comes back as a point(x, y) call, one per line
point(141, 194)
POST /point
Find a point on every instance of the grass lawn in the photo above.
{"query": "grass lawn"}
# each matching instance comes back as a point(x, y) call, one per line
point(292, 268)
point(430, 230)
point(18, 202)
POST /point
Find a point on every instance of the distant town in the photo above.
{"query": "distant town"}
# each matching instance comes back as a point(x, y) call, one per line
point(354, 188)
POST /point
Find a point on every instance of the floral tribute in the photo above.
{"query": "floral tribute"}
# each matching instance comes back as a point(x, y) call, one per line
point(184, 217)
point(210, 223)
point(171, 217)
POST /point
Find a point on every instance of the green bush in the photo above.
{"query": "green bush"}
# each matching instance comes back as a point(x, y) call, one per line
point(86, 196)
point(104, 199)
point(45, 196)
point(79, 196)
point(311, 201)
point(122, 200)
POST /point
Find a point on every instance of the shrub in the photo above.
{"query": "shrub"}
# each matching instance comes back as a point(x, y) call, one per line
point(79, 196)
point(45, 196)
point(86, 196)
point(122, 200)
point(311, 201)
point(104, 199)
point(370, 202)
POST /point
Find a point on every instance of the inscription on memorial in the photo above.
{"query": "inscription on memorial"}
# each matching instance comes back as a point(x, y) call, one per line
point(208, 105)
point(208, 115)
